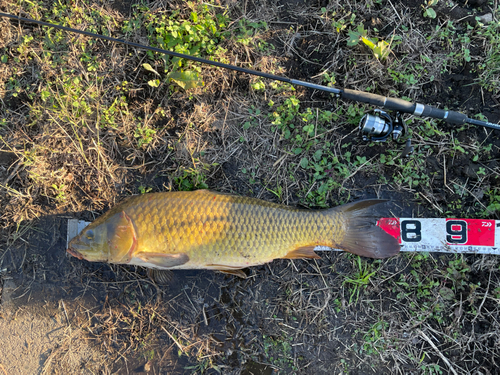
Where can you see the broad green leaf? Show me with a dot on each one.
(304, 162)
(186, 80)
(149, 68)
(361, 30)
(353, 38)
(447, 293)
(318, 154)
(493, 207)
(45, 95)
(431, 13)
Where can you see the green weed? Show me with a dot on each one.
(247, 31)
(380, 48)
(494, 206)
(374, 340)
(456, 272)
(360, 280)
(59, 190)
(490, 68)
(431, 369)
(143, 189)
(198, 33)
(192, 178)
(144, 135)
(278, 351)
(428, 11)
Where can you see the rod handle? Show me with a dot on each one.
(403, 106)
(393, 104)
(450, 117)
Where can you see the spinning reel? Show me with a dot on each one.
(378, 126)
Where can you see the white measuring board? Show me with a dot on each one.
(469, 236)
(466, 236)
(75, 226)
(472, 236)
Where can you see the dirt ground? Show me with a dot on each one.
(85, 123)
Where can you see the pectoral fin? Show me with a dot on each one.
(301, 253)
(162, 260)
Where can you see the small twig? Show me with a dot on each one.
(328, 298)
(204, 315)
(470, 192)
(444, 174)
(432, 203)
(174, 339)
(14, 171)
(321, 273)
(484, 299)
(65, 312)
(445, 360)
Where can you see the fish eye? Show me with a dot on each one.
(89, 234)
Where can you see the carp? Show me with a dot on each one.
(208, 230)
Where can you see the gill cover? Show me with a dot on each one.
(122, 239)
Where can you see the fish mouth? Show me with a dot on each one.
(75, 253)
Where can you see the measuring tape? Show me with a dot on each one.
(470, 236)
(466, 236)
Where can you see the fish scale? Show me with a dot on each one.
(205, 229)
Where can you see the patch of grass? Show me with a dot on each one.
(490, 68)
(192, 178)
(247, 33)
(278, 351)
(374, 340)
(360, 279)
(196, 30)
(494, 203)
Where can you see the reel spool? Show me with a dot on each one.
(378, 126)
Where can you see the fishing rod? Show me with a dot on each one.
(377, 126)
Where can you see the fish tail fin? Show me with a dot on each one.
(363, 237)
